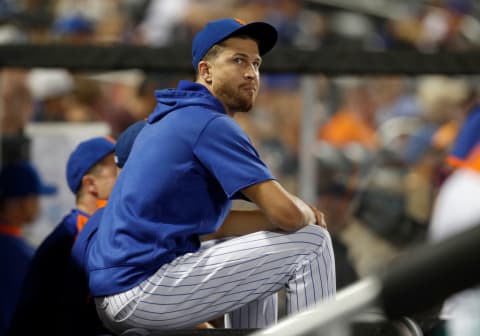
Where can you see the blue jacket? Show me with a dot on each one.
(15, 258)
(54, 298)
(185, 167)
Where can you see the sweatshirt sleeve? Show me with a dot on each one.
(228, 154)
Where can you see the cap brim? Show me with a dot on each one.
(46, 189)
(264, 33)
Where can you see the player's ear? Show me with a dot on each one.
(205, 71)
(88, 183)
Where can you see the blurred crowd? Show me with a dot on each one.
(382, 157)
(380, 144)
(378, 25)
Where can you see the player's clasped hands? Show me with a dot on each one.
(319, 217)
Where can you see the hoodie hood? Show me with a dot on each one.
(187, 94)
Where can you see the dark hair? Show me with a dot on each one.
(217, 48)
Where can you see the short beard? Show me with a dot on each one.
(240, 106)
(234, 103)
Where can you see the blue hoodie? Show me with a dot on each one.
(185, 167)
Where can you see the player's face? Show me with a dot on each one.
(30, 208)
(106, 177)
(235, 74)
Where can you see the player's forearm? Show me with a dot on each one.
(307, 211)
(284, 210)
(242, 222)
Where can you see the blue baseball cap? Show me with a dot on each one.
(215, 32)
(125, 142)
(87, 154)
(20, 179)
(72, 24)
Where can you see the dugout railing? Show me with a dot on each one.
(416, 282)
(330, 62)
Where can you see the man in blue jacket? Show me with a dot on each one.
(147, 266)
(20, 189)
(47, 288)
(122, 151)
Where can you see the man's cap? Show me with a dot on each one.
(73, 24)
(215, 32)
(21, 179)
(125, 142)
(87, 154)
(49, 83)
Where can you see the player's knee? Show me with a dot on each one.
(315, 237)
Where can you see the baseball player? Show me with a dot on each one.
(147, 267)
(122, 150)
(82, 243)
(457, 208)
(20, 187)
(90, 173)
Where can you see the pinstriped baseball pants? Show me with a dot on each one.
(238, 277)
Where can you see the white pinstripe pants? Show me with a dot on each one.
(239, 276)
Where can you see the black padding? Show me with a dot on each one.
(177, 59)
(429, 274)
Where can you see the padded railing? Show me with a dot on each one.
(177, 59)
(414, 283)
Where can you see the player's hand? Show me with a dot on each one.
(204, 325)
(320, 218)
